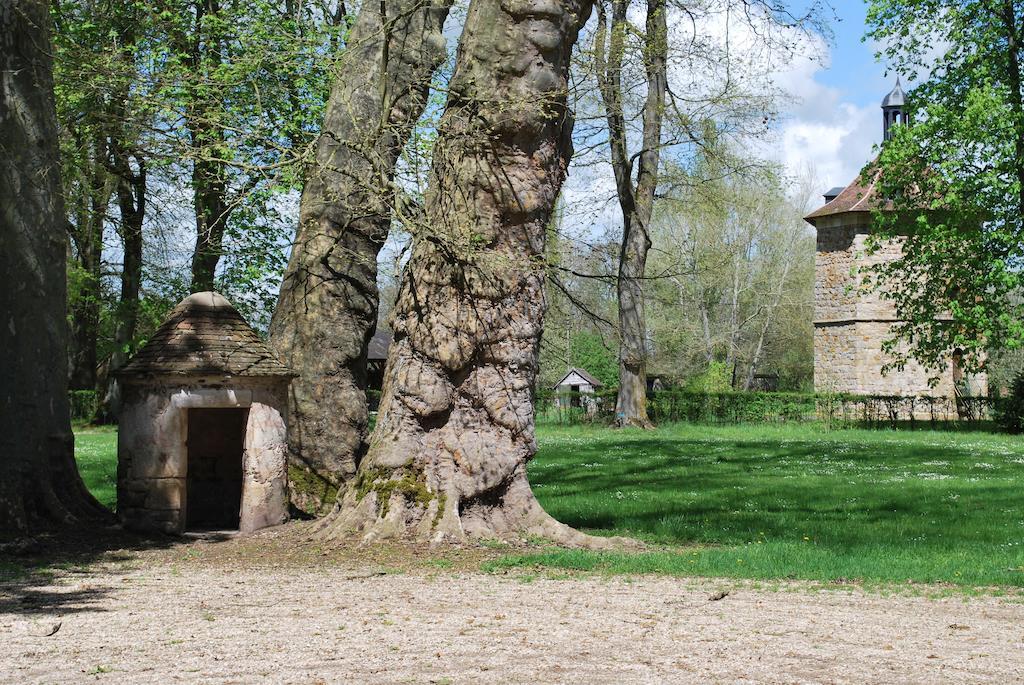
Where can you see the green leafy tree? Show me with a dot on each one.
(174, 108)
(954, 178)
(241, 89)
(589, 352)
(716, 378)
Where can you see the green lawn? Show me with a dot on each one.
(790, 502)
(767, 501)
(96, 453)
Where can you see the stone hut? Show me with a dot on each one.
(202, 437)
(850, 325)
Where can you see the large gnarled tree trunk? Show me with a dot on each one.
(637, 202)
(327, 309)
(39, 481)
(448, 457)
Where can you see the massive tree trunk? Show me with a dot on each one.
(637, 202)
(448, 457)
(39, 481)
(327, 309)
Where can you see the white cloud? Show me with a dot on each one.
(832, 148)
(823, 133)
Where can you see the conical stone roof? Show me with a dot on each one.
(204, 335)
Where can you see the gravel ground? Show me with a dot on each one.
(156, 622)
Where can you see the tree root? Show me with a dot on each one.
(643, 423)
(51, 495)
(511, 514)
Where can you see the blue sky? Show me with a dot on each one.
(830, 121)
(854, 70)
(835, 118)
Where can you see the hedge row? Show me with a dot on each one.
(666, 406)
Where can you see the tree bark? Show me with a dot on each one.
(39, 481)
(87, 238)
(637, 202)
(448, 458)
(203, 52)
(209, 187)
(131, 202)
(327, 309)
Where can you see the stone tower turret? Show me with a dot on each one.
(851, 322)
(893, 110)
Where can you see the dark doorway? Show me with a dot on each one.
(216, 440)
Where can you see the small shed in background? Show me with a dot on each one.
(202, 436)
(576, 389)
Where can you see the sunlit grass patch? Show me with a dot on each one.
(764, 501)
(789, 502)
(96, 454)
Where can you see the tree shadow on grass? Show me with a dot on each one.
(844, 495)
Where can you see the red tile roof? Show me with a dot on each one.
(859, 196)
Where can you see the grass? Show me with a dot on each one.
(96, 454)
(765, 502)
(789, 502)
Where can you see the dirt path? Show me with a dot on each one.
(159, 623)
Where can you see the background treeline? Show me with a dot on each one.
(183, 126)
(729, 288)
(186, 127)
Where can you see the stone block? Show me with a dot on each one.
(165, 493)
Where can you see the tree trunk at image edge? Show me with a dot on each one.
(327, 309)
(448, 457)
(39, 481)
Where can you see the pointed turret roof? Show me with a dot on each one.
(896, 97)
(205, 335)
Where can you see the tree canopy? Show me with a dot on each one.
(953, 179)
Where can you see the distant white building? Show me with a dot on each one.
(576, 389)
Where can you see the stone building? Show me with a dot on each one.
(576, 389)
(202, 436)
(850, 324)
